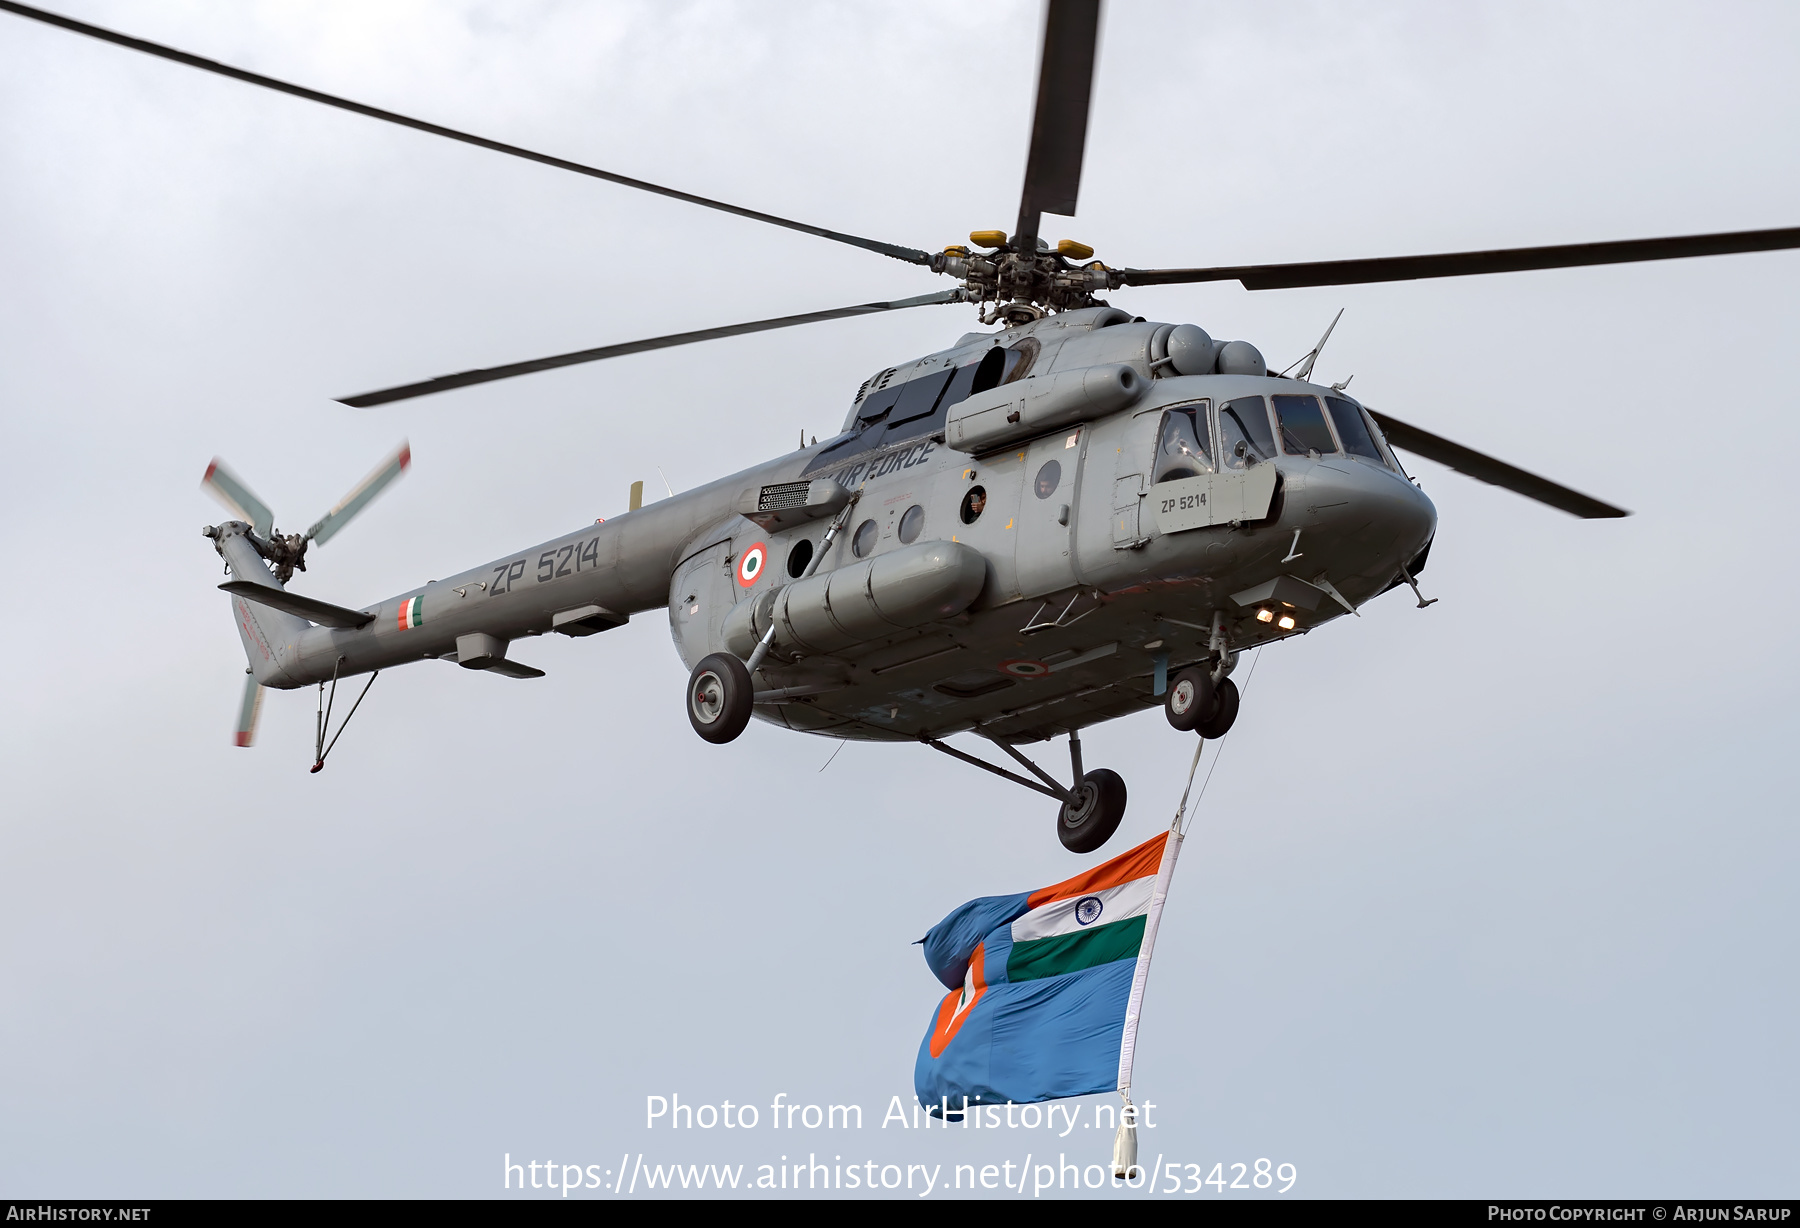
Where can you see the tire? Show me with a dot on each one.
(1189, 698)
(719, 695)
(1224, 714)
(1100, 805)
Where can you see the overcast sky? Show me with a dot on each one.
(1492, 899)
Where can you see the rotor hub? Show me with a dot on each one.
(1009, 274)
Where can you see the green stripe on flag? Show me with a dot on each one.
(1043, 957)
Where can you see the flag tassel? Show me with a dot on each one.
(1125, 1145)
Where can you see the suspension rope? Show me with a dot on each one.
(1242, 691)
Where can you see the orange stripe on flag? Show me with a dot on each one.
(1140, 862)
(949, 1018)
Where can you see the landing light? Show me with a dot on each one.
(1265, 616)
(1285, 622)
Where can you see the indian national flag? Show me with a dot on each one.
(412, 612)
(1044, 985)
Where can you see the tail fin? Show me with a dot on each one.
(264, 630)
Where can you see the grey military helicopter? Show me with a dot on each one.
(1068, 516)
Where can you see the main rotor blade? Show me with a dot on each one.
(351, 504)
(1059, 126)
(228, 488)
(1485, 468)
(1465, 264)
(463, 379)
(908, 254)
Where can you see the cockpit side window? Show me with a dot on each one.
(1184, 448)
(1387, 449)
(1303, 426)
(1351, 428)
(1244, 422)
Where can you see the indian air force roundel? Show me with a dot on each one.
(750, 567)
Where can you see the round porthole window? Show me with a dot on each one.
(864, 541)
(911, 523)
(799, 557)
(974, 503)
(1047, 479)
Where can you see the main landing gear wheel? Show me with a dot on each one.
(719, 696)
(1224, 713)
(1189, 698)
(1093, 817)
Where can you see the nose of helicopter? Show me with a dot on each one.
(1371, 520)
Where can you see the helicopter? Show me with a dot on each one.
(1070, 515)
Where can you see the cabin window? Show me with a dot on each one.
(1048, 479)
(911, 523)
(973, 504)
(799, 557)
(1244, 435)
(1303, 428)
(1184, 449)
(864, 541)
(1351, 428)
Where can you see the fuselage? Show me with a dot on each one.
(1112, 546)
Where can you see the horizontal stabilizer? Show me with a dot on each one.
(321, 612)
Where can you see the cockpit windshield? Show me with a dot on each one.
(1347, 417)
(1303, 428)
(1244, 435)
(1184, 448)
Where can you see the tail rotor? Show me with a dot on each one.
(353, 503)
(225, 486)
(249, 711)
(286, 553)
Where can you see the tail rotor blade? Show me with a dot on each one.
(225, 486)
(364, 494)
(248, 711)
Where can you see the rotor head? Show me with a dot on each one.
(1024, 274)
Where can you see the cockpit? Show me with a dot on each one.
(1252, 429)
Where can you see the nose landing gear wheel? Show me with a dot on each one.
(1189, 698)
(1224, 713)
(719, 695)
(1094, 816)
